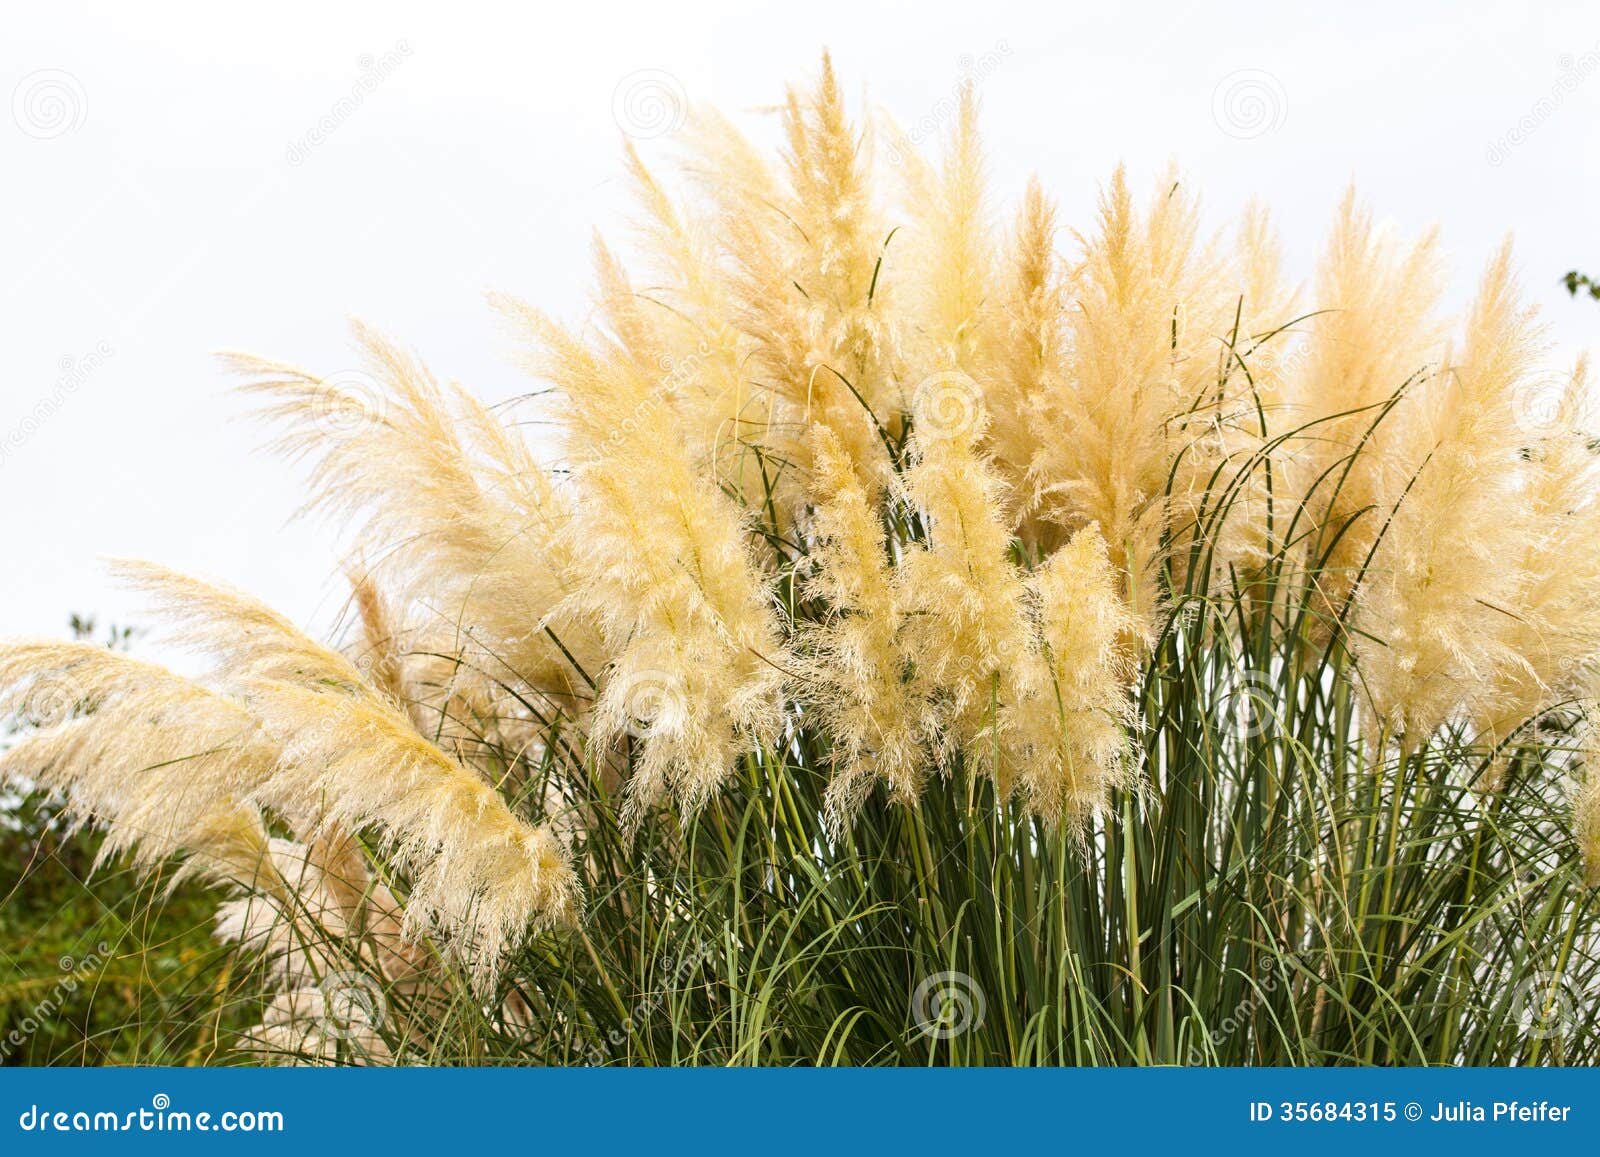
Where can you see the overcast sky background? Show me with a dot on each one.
(163, 195)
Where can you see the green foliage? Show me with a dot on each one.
(101, 967)
(104, 968)
(1275, 899)
(1576, 282)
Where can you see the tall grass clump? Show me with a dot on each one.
(929, 637)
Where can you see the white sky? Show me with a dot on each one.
(151, 212)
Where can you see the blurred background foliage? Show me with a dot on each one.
(102, 968)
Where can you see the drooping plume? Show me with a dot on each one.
(460, 526)
(349, 758)
(166, 766)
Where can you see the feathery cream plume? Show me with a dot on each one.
(1374, 336)
(950, 260)
(1139, 388)
(1232, 487)
(462, 523)
(966, 620)
(1550, 622)
(164, 764)
(698, 680)
(805, 248)
(1439, 584)
(1027, 354)
(1071, 721)
(854, 670)
(349, 757)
